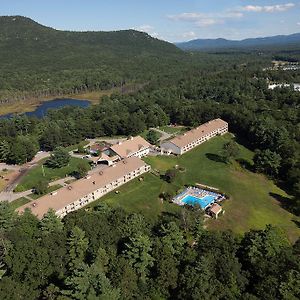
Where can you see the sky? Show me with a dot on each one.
(171, 20)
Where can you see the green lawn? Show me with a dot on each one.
(173, 130)
(144, 134)
(35, 174)
(19, 202)
(250, 204)
(75, 147)
(140, 196)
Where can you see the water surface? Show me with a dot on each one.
(42, 109)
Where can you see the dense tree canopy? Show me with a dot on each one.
(109, 254)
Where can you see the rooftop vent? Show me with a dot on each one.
(101, 173)
(69, 188)
(87, 177)
(53, 193)
(34, 204)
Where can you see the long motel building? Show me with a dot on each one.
(86, 190)
(191, 139)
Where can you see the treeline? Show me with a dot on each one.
(265, 120)
(107, 253)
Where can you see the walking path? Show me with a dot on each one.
(164, 135)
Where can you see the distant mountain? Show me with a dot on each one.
(37, 58)
(205, 44)
(23, 40)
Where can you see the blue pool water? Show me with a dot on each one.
(203, 202)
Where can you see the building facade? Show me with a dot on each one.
(133, 147)
(84, 191)
(191, 139)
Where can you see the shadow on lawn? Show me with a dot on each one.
(246, 164)
(285, 202)
(297, 223)
(215, 157)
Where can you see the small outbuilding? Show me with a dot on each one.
(215, 210)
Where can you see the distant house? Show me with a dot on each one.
(134, 146)
(189, 140)
(84, 191)
(215, 210)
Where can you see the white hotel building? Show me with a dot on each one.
(189, 140)
(84, 191)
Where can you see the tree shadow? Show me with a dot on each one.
(246, 164)
(285, 202)
(297, 223)
(215, 157)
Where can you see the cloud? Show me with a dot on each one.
(267, 8)
(298, 23)
(150, 30)
(188, 35)
(204, 20)
(145, 28)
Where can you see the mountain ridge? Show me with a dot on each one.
(221, 43)
(36, 58)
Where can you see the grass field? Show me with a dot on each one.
(144, 134)
(173, 130)
(250, 206)
(19, 202)
(35, 174)
(140, 196)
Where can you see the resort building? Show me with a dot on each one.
(134, 146)
(189, 140)
(84, 191)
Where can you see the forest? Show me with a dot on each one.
(106, 253)
(38, 61)
(266, 121)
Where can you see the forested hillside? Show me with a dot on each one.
(109, 254)
(37, 60)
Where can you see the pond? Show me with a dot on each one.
(42, 109)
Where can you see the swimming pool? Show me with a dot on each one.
(203, 202)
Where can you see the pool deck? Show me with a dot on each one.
(197, 193)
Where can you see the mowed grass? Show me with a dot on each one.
(173, 130)
(19, 202)
(251, 205)
(36, 174)
(140, 196)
